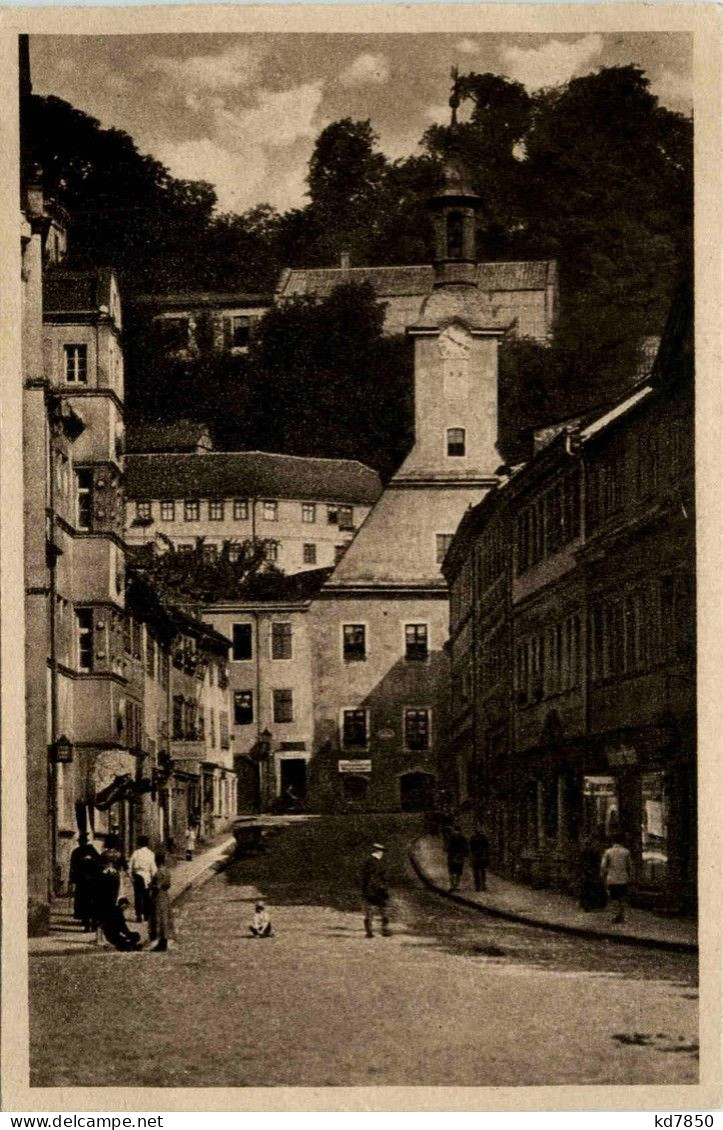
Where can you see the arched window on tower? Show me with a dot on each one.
(455, 441)
(455, 226)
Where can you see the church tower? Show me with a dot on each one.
(380, 623)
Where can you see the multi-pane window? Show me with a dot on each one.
(143, 510)
(168, 511)
(354, 731)
(549, 523)
(84, 484)
(76, 364)
(416, 641)
(243, 708)
(281, 640)
(210, 553)
(235, 551)
(308, 512)
(354, 642)
(223, 734)
(332, 515)
(271, 550)
(283, 701)
(456, 442)
(271, 511)
(215, 510)
(84, 624)
(346, 517)
(416, 728)
(443, 542)
(240, 509)
(309, 553)
(191, 510)
(242, 642)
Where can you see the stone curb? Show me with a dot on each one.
(214, 866)
(559, 927)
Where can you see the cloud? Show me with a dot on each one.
(366, 70)
(236, 67)
(673, 89)
(242, 146)
(554, 62)
(467, 46)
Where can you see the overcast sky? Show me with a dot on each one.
(242, 111)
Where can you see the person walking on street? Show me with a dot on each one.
(616, 872)
(161, 930)
(375, 891)
(84, 866)
(190, 841)
(107, 890)
(479, 847)
(457, 852)
(142, 868)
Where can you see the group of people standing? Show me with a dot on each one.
(95, 882)
(459, 849)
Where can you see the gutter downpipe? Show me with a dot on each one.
(52, 642)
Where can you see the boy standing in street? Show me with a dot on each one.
(375, 890)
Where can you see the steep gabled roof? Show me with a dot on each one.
(250, 474)
(179, 436)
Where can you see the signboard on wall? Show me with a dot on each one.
(356, 766)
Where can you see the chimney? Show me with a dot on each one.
(345, 260)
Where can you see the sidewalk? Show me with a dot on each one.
(550, 909)
(66, 935)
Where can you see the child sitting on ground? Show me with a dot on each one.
(261, 925)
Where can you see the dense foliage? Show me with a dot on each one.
(594, 173)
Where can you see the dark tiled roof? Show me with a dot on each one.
(65, 291)
(193, 299)
(389, 282)
(250, 474)
(179, 436)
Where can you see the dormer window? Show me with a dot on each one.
(76, 364)
(456, 445)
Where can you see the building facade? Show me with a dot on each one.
(380, 623)
(304, 510)
(271, 713)
(572, 642)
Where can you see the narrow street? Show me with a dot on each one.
(452, 998)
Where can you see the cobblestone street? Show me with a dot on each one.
(453, 997)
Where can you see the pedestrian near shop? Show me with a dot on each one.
(479, 849)
(82, 875)
(190, 841)
(161, 930)
(457, 852)
(142, 868)
(375, 891)
(106, 891)
(616, 872)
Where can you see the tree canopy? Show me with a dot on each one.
(594, 173)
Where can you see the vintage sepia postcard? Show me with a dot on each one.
(360, 444)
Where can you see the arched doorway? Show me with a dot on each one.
(416, 791)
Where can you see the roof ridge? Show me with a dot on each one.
(268, 454)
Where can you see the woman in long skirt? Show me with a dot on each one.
(161, 925)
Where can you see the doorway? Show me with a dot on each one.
(293, 776)
(416, 792)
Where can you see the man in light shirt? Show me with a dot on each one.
(142, 867)
(616, 872)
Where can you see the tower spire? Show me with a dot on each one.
(454, 209)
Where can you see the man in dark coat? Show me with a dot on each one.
(457, 852)
(375, 891)
(479, 849)
(84, 865)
